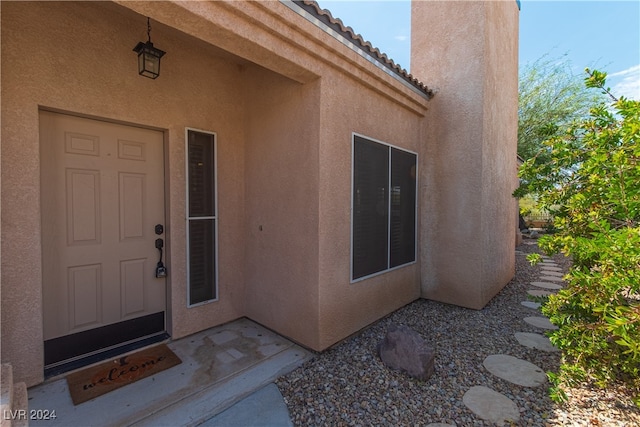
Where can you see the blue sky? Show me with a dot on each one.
(604, 35)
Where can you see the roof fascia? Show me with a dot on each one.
(427, 93)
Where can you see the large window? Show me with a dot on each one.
(384, 208)
(201, 217)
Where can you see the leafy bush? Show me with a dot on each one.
(592, 184)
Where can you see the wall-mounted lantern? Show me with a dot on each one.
(148, 57)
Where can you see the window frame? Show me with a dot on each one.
(389, 207)
(189, 218)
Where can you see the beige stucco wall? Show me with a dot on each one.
(298, 266)
(281, 258)
(347, 307)
(500, 132)
(70, 74)
(468, 52)
(277, 105)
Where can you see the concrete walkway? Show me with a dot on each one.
(230, 366)
(263, 408)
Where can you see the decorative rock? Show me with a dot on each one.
(405, 350)
(538, 293)
(531, 304)
(546, 285)
(514, 370)
(537, 341)
(540, 322)
(491, 405)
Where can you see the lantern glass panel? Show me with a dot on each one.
(150, 66)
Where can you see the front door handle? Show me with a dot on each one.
(161, 270)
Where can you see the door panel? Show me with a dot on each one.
(102, 195)
(85, 289)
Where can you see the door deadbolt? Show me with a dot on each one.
(159, 229)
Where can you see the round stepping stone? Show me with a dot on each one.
(552, 273)
(540, 322)
(537, 341)
(552, 278)
(538, 293)
(514, 370)
(490, 405)
(531, 304)
(546, 285)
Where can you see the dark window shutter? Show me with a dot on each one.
(202, 267)
(201, 175)
(202, 219)
(370, 207)
(402, 235)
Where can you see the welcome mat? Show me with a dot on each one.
(100, 379)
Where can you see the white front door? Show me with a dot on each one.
(102, 197)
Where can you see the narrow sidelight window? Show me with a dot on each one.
(201, 217)
(383, 207)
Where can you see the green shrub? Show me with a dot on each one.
(592, 183)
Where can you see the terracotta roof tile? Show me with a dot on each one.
(336, 24)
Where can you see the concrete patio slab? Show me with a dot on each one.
(220, 367)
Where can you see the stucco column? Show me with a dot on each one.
(467, 51)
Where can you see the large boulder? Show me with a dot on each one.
(403, 349)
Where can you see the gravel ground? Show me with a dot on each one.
(349, 385)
